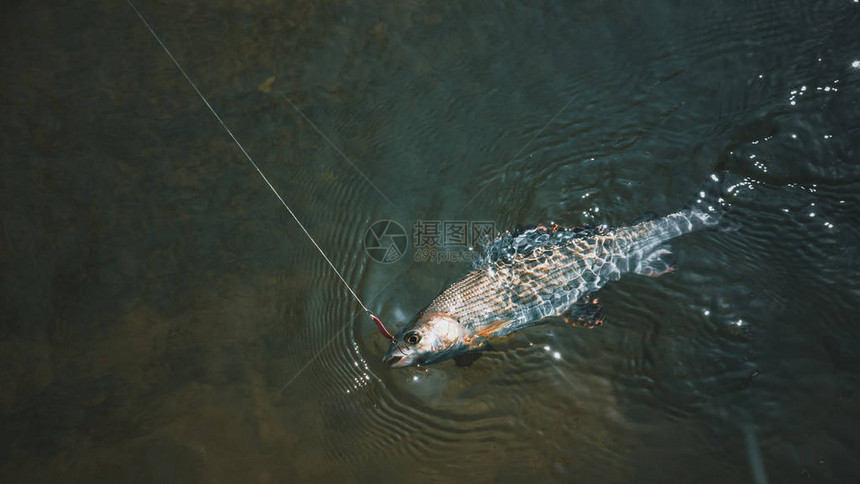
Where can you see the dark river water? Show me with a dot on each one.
(164, 319)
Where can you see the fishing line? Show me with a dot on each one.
(375, 319)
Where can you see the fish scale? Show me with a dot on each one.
(525, 277)
(550, 277)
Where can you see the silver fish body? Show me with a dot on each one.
(527, 277)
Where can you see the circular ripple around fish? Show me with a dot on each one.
(668, 345)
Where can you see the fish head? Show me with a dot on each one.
(430, 338)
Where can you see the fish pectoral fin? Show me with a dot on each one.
(657, 263)
(587, 313)
(492, 327)
(466, 359)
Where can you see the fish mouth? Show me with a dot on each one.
(396, 359)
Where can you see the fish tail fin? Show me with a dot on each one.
(708, 209)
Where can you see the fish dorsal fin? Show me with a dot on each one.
(586, 312)
(524, 240)
(645, 217)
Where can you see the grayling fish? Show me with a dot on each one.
(524, 278)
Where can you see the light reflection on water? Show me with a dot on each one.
(164, 319)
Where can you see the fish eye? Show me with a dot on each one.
(412, 338)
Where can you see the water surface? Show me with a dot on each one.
(164, 319)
